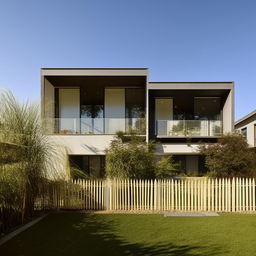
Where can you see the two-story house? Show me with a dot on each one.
(83, 108)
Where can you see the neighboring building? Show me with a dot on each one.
(247, 127)
(84, 108)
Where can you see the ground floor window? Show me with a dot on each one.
(191, 165)
(93, 165)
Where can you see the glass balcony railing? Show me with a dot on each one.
(94, 125)
(189, 128)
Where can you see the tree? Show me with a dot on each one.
(167, 168)
(130, 157)
(230, 157)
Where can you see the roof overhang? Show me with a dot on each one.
(94, 71)
(191, 85)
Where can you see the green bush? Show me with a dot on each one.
(130, 157)
(230, 157)
(167, 168)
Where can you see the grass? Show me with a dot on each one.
(129, 234)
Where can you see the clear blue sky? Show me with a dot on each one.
(178, 40)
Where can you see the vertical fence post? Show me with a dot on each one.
(108, 194)
(233, 204)
(253, 194)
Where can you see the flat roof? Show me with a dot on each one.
(197, 82)
(94, 68)
(154, 85)
(191, 85)
(94, 71)
(246, 117)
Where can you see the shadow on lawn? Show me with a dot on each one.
(102, 240)
(88, 235)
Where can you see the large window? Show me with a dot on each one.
(92, 119)
(207, 108)
(135, 109)
(92, 109)
(94, 165)
(134, 103)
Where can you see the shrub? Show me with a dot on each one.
(167, 168)
(230, 157)
(130, 157)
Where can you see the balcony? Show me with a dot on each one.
(94, 125)
(188, 128)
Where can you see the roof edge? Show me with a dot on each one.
(245, 117)
(94, 68)
(192, 82)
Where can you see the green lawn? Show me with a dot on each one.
(129, 234)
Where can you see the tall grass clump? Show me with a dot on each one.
(27, 157)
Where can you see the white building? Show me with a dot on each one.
(247, 126)
(84, 107)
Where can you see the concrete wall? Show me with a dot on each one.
(83, 144)
(48, 104)
(48, 107)
(177, 148)
(228, 114)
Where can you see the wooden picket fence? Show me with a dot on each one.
(188, 194)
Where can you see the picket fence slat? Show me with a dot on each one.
(185, 194)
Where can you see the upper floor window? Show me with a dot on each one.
(207, 108)
(92, 111)
(244, 132)
(134, 103)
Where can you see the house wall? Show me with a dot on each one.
(177, 148)
(48, 106)
(48, 103)
(83, 144)
(228, 114)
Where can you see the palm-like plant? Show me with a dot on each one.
(32, 154)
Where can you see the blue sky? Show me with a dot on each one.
(178, 40)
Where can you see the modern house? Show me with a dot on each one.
(247, 127)
(84, 107)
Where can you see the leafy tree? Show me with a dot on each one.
(130, 157)
(230, 157)
(167, 168)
